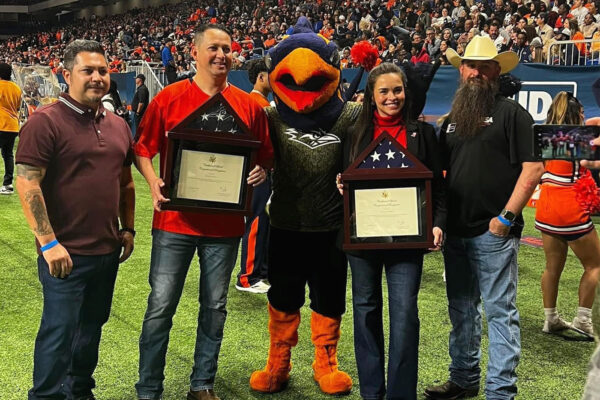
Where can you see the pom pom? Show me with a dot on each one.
(364, 54)
(586, 193)
(391, 4)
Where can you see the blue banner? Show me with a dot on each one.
(540, 83)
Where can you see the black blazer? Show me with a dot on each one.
(421, 142)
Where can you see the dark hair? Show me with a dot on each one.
(80, 46)
(115, 94)
(255, 67)
(565, 109)
(364, 124)
(543, 16)
(204, 27)
(5, 71)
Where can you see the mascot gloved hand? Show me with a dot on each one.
(307, 128)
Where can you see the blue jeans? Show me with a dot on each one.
(172, 254)
(75, 308)
(403, 273)
(483, 267)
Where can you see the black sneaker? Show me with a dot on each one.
(8, 189)
(450, 391)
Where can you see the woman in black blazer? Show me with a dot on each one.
(385, 109)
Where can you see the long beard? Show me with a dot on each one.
(472, 104)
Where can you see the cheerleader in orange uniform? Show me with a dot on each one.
(564, 223)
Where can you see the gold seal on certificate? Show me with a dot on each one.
(210, 176)
(386, 212)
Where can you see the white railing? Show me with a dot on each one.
(154, 73)
(566, 52)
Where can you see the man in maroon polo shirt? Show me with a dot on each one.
(74, 180)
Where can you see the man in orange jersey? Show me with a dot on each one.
(253, 264)
(10, 101)
(176, 235)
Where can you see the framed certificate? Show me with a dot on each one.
(208, 176)
(387, 205)
(386, 212)
(208, 158)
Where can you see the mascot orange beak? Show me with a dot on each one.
(304, 81)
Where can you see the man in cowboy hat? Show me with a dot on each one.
(487, 141)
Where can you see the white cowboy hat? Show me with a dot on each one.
(482, 48)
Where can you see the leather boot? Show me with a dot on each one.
(283, 329)
(325, 337)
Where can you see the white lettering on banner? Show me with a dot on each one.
(537, 102)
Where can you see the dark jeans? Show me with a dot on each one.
(297, 258)
(7, 143)
(403, 274)
(75, 308)
(253, 263)
(171, 256)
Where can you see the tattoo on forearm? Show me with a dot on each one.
(35, 201)
(30, 172)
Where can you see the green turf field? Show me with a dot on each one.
(550, 368)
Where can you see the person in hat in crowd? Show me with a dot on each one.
(491, 174)
(10, 102)
(140, 101)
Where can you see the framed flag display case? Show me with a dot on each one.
(387, 199)
(208, 158)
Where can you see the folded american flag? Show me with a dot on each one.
(387, 155)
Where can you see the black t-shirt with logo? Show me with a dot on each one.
(482, 171)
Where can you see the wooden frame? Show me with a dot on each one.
(193, 134)
(416, 176)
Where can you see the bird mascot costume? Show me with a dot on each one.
(308, 126)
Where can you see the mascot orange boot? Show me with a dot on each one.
(283, 329)
(325, 336)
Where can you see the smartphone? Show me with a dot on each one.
(565, 142)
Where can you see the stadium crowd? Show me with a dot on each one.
(420, 31)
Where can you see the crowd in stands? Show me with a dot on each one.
(419, 31)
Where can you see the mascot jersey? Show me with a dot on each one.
(305, 197)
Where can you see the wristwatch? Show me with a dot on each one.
(130, 230)
(508, 215)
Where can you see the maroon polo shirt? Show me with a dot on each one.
(84, 153)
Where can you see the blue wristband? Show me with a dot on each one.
(504, 220)
(48, 246)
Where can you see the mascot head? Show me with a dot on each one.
(305, 75)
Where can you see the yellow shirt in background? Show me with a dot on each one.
(10, 101)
